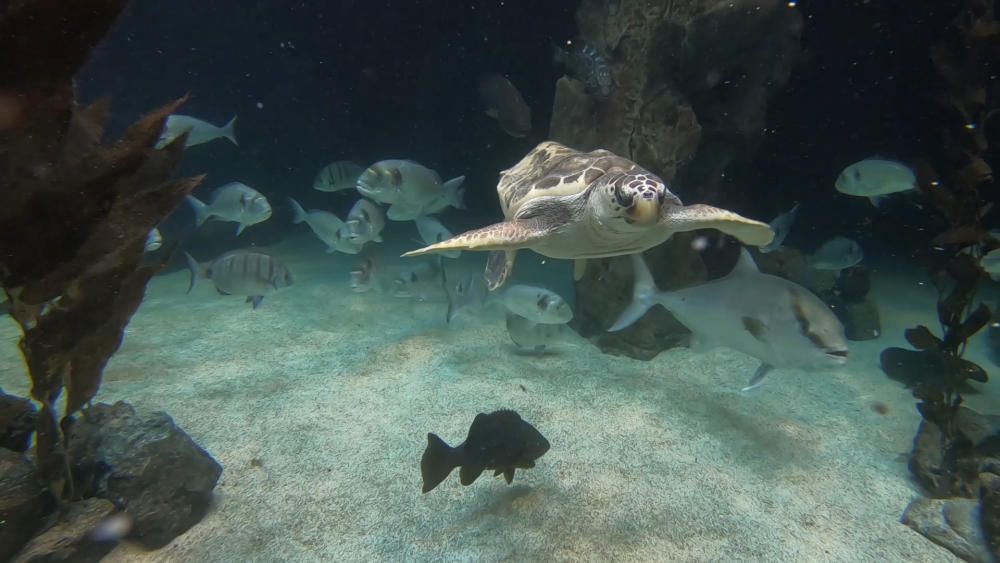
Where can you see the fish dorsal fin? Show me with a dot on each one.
(745, 265)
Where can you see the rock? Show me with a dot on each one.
(860, 319)
(24, 502)
(69, 538)
(949, 468)
(950, 523)
(17, 422)
(145, 464)
(989, 514)
(853, 284)
(606, 290)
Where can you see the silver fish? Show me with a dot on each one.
(502, 101)
(199, 131)
(432, 231)
(467, 293)
(235, 202)
(327, 227)
(365, 222)
(780, 323)
(586, 64)
(781, 225)
(875, 179)
(242, 272)
(837, 253)
(337, 176)
(537, 304)
(530, 335)
(364, 277)
(154, 240)
(420, 281)
(409, 188)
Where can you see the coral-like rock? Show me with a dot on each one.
(24, 502)
(17, 422)
(160, 477)
(69, 539)
(951, 523)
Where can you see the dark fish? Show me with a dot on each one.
(242, 272)
(501, 441)
(586, 64)
(502, 101)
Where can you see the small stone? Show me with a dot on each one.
(147, 465)
(24, 502)
(17, 422)
(950, 523)
(69, 538)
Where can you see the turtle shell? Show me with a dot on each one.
(552, 169)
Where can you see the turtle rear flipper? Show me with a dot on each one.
(499, 264)
(509, 235)
(693, 217)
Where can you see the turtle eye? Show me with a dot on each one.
(622, 198)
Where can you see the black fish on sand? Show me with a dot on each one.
(501, 441)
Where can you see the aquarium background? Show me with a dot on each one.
(317, 405)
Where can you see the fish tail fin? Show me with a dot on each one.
(201, 213)
(437, 462)
(298, 213)
(644, 294)
(454, 186)
(229, 131)
(195, 269)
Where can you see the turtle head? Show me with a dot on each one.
(635, 198)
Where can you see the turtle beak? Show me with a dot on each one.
(644, 211)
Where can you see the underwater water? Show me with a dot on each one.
(288, 335)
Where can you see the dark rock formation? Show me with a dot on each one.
(950, 523)
(17, 422)
(24, 502)
(606, 290)
(951, 467)
(146, 465)
(989, 511)
(860, 319)
(853, 284)
(69, 538)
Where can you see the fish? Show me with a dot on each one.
(199, 132)
(419, 281)
(991, 263)
(537, 304)
(327, 227)
(337, 176)
(409, 189)
(781, 225)
(365, 222)
(501, 441)
(364, 277)
(586, 64)
(875, 179)
(531, 335)
(235, 202)
(777, 321)
(838, 253)
(154, 240)
(241, 272)
(432, 231)
(502, 101)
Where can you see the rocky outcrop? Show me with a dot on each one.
(24, 502)
(71, 537)
(691, 80)
(146, 465)
(950, 523)
(17, 422)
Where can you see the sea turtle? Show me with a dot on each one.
(564, 203)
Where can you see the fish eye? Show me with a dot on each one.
(543, 302)
(857, 175)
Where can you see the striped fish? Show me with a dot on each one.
(242, 272)
(336, 176)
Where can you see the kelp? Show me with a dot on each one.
(75, 213)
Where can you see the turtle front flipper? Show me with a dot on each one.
(509, 235)
(693, 217)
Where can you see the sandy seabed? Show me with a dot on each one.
(317, 405)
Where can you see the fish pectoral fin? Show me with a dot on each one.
(756, 327)
(239, 228)
(579, 268)
(469, 473)
(758, 376)
(508, 474)
(499, 265)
